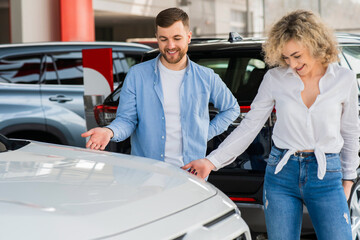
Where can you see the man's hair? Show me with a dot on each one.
(169, 16)
(306, 28)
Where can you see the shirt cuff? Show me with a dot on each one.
(114, 137)
(349, 175)
(214, 161)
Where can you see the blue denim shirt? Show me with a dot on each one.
(141, 113)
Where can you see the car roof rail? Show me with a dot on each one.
(235, 37)
(205, 39)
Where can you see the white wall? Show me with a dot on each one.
(225, 23)
(342, 15)
(133, 7)
(208, 18)
(34, 20)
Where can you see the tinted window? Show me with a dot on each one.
(122, 63)
(132, 60)
(352, 56)
(20, 70)
(242, 75)
(120, 67)
(67, 68)
(64, 68)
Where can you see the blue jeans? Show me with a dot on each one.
(297, 184)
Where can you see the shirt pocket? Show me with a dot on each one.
(200, 104)
(333, 163)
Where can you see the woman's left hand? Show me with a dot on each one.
(347, 188)
(201, 167)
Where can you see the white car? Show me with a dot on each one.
(52, 191)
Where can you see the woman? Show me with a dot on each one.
(316, 104)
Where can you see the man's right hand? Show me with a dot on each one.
(99, 138)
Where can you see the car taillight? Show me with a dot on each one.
(104, 114)
(243, 199)
(243, 111)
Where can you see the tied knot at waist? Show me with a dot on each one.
(319, 155)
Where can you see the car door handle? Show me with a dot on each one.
(60, 98)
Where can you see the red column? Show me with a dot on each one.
(77, 21)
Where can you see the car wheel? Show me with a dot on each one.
(354, 205)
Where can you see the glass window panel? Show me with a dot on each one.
(352, 55)
(120, 67)
(131, 61)
(242, 75)
(64, 69)
(20, 70)
(219, 65)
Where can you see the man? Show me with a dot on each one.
(164, 102)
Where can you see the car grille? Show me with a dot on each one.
(215, 221)
(219, 219)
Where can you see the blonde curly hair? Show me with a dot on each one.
(306, 28)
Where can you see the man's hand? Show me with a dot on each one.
(201, 167)
(347, 185)
(99, 138)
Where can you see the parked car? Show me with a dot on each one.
(239, 62)
(41, 88)
(51, 191)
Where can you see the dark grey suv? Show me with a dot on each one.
(241, 66)
(41, 88)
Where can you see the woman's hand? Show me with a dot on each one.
(347, 185)
(201, 167)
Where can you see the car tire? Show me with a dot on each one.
(354, 207)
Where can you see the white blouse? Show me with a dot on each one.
(330, 125)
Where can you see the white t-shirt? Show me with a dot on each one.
(330, 125)
(171, 81)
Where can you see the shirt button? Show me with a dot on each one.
(162, 118)
(162, 155)
(162, 137)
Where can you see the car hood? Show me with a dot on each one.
(45, 187)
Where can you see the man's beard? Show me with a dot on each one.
(181, 54)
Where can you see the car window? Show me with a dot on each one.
(67, 68)
(120, 67)
(64, 69)
(20, 70)
(352, 57)
(219, 65)
(242, 75)
(342, 61)
(132, 60)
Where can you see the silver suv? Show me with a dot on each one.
(41, 88)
